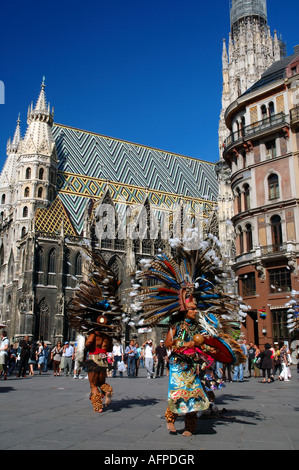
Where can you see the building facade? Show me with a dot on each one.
(62, 187)
(251, 50)
(262, 152)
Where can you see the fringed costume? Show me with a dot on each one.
(96, 313)
(189, 291)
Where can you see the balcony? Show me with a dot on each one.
(294, 113)
(256, 129)
(274, 250)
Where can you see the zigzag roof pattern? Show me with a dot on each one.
(90, 163)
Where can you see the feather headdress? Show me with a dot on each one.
(96, 305)
(195, 273)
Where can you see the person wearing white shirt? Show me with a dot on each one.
(149, 358)
(4, 345)
(117, 355)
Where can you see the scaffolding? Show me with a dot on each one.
(241, 9)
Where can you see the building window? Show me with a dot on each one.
(247, 197)
(27, 192)
(28, 173)
(264, 111)
(52, 261)
(3, 199)
(239, 205)
(273, 187)
(41, 174)
(241, 240)
(276, 232)
(279, 324)
(40, 259)
(249, 243)
(280, 280)
(271, 109)
(78, 265)
(248, 284)
(40, 192)
(25, 211)
(271, 149)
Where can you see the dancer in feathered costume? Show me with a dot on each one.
(96, 312)
(190, 291)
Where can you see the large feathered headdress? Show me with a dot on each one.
(195, 275)
(96, 304)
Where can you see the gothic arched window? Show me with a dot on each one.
(239, 205)
(273, 186)
(40, 192)
(247, 196)
(27, 192)
(249, 243)
(40, 259)
(276, 231)
(41, 174)
(241, 240)
(52, 261)
(28, 173)
(78, 265)
(25, 211)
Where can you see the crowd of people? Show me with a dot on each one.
(30, 358)
(270, 363)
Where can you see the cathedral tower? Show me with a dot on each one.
(251, 50)
(36, 164)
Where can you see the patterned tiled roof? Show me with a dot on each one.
(53, 219)
(90, 163)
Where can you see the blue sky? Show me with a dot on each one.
(147, 71)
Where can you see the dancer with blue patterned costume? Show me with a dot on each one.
(189, 291)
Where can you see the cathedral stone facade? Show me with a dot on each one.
(57, 187)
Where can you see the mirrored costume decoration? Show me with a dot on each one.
(95, 312)
(189, 293)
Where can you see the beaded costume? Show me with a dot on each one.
(189, 290)
(96, 312)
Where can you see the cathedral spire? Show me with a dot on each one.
(12, 146)
(41, 112)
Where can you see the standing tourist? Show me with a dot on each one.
(4, 349)
(24, 357)
(56, 355)
(283, 354)
(118, 357)
(149, 358)
(68, 351)
(251, 358)
(161, 354)
(131, 351)
(267, 363)
(32, 358)
(137, 358)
